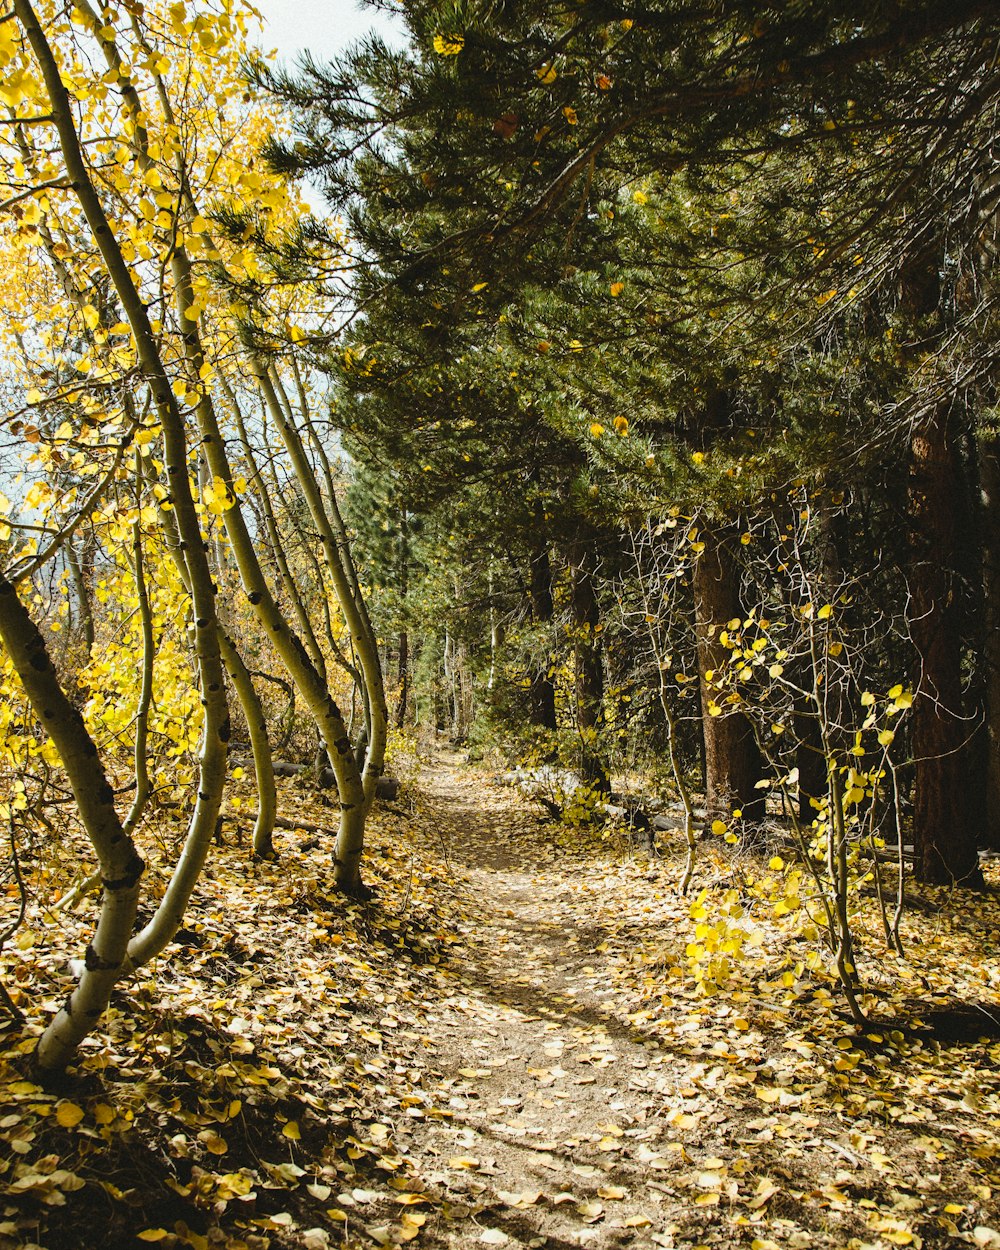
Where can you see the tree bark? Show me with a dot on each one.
(732, 757)
(542, 689)
(120, 866)
(945, 842)
(588, 664)
(402, 679)
(79, 576)
(810, 758)
(357, 794)
(989, 486)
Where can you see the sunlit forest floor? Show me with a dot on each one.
(504, 1047)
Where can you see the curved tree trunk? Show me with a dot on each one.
(216, 728)
(120, 866)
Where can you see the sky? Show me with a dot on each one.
(325, 27)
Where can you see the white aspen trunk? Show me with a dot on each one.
(350, 841)
(120, 866)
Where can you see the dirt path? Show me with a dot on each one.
(584, 1092)
(558, 1136)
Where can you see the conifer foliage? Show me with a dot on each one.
(685, 264)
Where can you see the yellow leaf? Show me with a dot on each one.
(547, 74)
(766, 1189)
(153, 1234)
(719, 827)
(69, 1114)
(449, 45)
(15, 87)
(617, 288)
(291, 1129)
(825, 612)
(479, 286)
(885, 737)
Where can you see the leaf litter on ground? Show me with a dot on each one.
(507, 1046)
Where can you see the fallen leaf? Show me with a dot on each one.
(68, 1114)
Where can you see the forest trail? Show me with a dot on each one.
(556, 1096)
(586, 1094)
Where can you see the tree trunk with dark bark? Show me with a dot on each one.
(989, 486)
(402, 679)
(810, 758)
(945, 842)
(588, 665)
(732, 757)
(542, 689)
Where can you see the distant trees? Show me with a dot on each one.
(618, 216)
